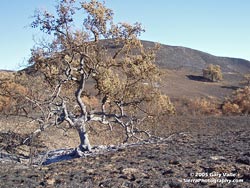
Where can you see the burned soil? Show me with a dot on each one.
(202, 149)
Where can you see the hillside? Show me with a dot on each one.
(183, 68)
(176, 57)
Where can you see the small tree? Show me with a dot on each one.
(212, 73)
(77, 57)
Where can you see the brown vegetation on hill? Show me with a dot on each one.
(11, 92)
(238, 103)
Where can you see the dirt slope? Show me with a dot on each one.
(177, 57)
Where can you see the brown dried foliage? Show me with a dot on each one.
(204, 106)
(212, 73)
(11, 93)
(238, 103)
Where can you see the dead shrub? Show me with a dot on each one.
(197, 106)
(204, 106)
(161, 105)
(4, 103)
(11, 94)
(238, 103)
(229, 108)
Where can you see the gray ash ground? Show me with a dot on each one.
(206, 149)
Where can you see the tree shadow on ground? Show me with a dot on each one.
(197, 78)
(230, 87)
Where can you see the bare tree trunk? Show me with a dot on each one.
(84, 140)
(80, 126)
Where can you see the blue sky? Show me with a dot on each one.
(219, 27)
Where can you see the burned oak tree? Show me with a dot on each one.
(98, 52)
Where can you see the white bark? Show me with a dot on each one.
(83, 135)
